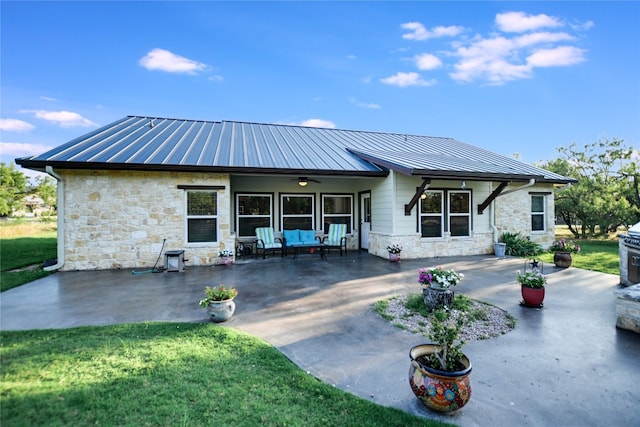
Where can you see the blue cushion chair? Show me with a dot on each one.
(336, 237)
(266, 241)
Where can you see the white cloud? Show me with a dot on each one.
(317, 123)
(15, 125)
(556, 57)
(48, 98)
(22, 150)
(427, 61)
(540, 38)
(406, 79)
(363, 104)
(65, 119)
(526, 41)
(519, 22)
(164, 60)
(419, 32)
(500, 59)
(584, 26)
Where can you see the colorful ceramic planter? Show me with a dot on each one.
(438, 390)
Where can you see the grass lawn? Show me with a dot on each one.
(167, 374)
(596, 255)
(24, 246)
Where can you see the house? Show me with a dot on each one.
(204, 186)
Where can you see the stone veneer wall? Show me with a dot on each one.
(513, 214)
(118, 219)
(414, 246)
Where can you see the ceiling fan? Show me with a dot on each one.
(303, 181)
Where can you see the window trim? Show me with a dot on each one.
(469, 214)
(441, 215)
(323, 215)
(236, 215)
(313, 208)
(187, 217)
(543, 213)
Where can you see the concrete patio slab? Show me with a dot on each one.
(563, 365)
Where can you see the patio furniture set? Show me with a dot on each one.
(301, 241)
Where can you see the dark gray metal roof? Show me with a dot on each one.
(151, 143)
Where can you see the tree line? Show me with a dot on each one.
(14, 186)
(605, 196)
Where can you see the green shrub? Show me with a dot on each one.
(518, 245)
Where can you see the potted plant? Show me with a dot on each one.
(394, 252)
(532, 285)
(436, 282)
(219, 302)
(562, 250)
(439, 373)
(226, 255)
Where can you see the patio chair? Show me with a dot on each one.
(336, 238)
(265, 242)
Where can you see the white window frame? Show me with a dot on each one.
(300, 195)
(450, 215)
(543, 213)
(338, 215)
(243, 215)
(440, 215)
(187, 217)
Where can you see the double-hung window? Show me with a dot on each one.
(538, 214)
(337, 209)
(297, 211)
(252, 211)
(432, 213)
(202, 216)
(459, 213)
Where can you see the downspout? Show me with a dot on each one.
(493, 206)
(60, 209)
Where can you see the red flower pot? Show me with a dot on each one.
(532, 297)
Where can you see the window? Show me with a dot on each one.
(297, 211)
(252, 211)
(460, 213)
(538, 214)
(431, 214)
(202, 216)
(337, 209)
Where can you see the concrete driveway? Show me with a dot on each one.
(563, 365)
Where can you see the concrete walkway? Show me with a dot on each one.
(563, 365)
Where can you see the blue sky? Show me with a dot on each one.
(511, 77)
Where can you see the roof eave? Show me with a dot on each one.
(40, 165)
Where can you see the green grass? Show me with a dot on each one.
(595, 255)
(167, 374)
(18, 252)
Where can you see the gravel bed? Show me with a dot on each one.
(483, 321)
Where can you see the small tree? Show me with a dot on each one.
(45, 188)
(13, 185)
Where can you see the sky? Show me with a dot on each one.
(520, 79)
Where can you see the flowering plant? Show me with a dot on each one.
(532, 279)
(225, 252)
(564, 245)
(439, 276)
(394, 249)
(218, 293)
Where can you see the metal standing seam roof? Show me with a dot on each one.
(152, 143)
